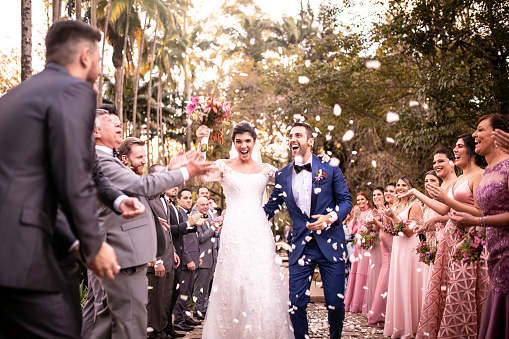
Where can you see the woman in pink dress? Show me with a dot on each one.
(466, 284)
(404, 298)
(356, 288)
(492, 196)
(375, 254)
(376, 314)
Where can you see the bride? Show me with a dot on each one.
(249, 297)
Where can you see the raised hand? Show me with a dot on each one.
(177, 161)
(195, 167)
(203, 132)
(501, 139)
(325, 157)
(131, 208)
(408, 193)
(104, 265)
(356, 212)
(436, 193)
(194, 219)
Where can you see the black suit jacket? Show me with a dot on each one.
(178, 229)
(46, 159)
(159, 211)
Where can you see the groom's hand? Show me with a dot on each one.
(322, 221)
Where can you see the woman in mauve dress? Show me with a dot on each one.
(492, 196)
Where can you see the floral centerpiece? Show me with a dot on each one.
(211, 113)
(369, 240)
(472, 244)
(426, 252)
(394, 230)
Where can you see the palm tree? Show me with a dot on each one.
(78, 7)
(57, 10)
(26, 39)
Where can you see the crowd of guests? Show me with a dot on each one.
(457, 286)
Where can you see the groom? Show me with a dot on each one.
(318, 200)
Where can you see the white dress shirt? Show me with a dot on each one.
(302, 185)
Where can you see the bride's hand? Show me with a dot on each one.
(203, 132)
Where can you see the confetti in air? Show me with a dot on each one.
(348, 135)
(307, 63)
(389, 140)
(373, 163)
(413, 103)
(392, 117)
(303, 80)
(243, 74)
(337, 110)
(373, 64)
(334, 162)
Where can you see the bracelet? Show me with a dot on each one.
(483, 222)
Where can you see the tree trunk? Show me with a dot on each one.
(26, 39)
(101, 78)
(149, 96)
(57, 10)
(159, 113)
(137, 78)
(119, 78)
(93, 13)
(187, 93)
(78, 10)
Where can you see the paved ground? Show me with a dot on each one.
(354, 327)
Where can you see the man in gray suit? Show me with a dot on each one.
(190, 262)
(208, 235)
(135, 241)
(46, 159)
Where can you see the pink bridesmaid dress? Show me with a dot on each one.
(404, 298)
(357, 279)
(376, 315)
(375, 266)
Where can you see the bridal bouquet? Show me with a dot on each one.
(472, 244)
(426, 252)
(369, 240)
(394, 230)
(211, 113)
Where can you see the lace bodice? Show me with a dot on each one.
(492, 196)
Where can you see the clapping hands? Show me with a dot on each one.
(419, 224)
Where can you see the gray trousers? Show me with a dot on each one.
(127, 297)
(93, 305)
(158, 296)
(201, 289)
(181, 311)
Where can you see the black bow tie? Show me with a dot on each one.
(115, 153)
(298, 168)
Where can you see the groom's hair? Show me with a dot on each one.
(309, 130)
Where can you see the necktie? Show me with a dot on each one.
(115, 153)
(298, 168)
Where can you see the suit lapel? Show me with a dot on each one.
(314, 169)
(289, 175)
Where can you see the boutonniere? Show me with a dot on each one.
(319, 175)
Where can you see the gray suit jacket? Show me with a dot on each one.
(46, 159)
(190, 245)
(208, 244)
(135, 240)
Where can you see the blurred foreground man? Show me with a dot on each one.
(47, 158)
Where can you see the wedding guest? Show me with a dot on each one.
(404, 298)
(355, 291)
(374, 253)
(492, 196)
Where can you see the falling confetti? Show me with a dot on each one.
(307, 63)
(150, 329)
(350, 122)
(413, 103)
(354, 152)
(317, 118)
(303, 80)
(348, 135)
(317, 190)
(297, 116)
(373, 64)
(389, 140)
(392, 117)
(334, 162)
(301, 262)
(243, 74)
(328, 137)
(252, 41)
(330, 127)
(337, 110)
(373, 163)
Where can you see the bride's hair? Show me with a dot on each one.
(244, 127)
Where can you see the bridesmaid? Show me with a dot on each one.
(424, 226)
(492, 196)
(358, 276)
(375, 255)
(404, 298)
(376, 315)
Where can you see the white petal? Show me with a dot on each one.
(392, 117)
(348, 135)
(337, 110)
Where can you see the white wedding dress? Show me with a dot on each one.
(249, 297)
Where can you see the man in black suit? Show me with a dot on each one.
(47, 158)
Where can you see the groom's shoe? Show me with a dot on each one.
(198, 316)
(183, 327)
(192, 322)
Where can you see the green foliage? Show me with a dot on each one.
(83, 294)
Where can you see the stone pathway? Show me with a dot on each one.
(355, 325)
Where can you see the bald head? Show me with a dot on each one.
(202, 205)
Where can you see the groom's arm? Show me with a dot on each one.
(276, 199)
(341, 195)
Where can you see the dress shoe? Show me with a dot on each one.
(172, 334)
(192, 322)
(199, 317)
(183, 327)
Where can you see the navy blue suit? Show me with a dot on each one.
(325, 249)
